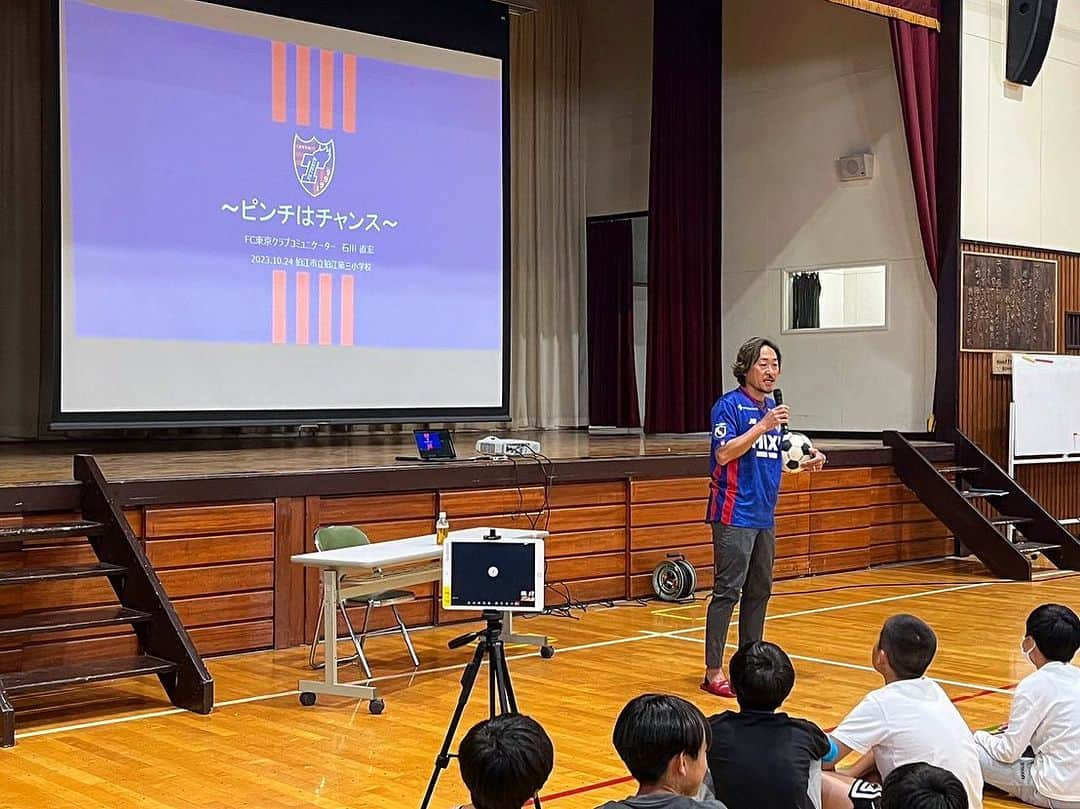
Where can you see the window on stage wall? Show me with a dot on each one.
(835, 298)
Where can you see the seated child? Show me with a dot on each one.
(923, 786)
(504, 761)
(1045, 715)
(910, 719)
(663, 741)
(759, 757)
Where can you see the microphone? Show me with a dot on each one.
(778, 397)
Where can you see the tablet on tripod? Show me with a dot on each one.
(491, 573)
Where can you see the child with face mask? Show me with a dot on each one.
(1044, 719)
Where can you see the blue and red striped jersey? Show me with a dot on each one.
(743, 492)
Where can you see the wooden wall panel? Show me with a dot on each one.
(984, 398)
(700, 556)
(376, 508)
(611, 588)
(217, 565)
(835, 514)
(168, 553)
(233, 638)
(188, 582)
(792, 525)
(287, 605)
(591, 566)
(560, 520)
(840, 560)
(216, 519)
(663, 491)
(401, 529)
(670, 536)
(49, 653)
(226, 609)
(825, 521)
(582, 542)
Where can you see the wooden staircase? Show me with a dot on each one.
(1006, 543)
(166, 650)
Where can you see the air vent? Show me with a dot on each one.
(1072, 331)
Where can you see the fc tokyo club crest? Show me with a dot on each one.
(313, 160)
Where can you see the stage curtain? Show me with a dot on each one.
(613, 397)
(548, 219)
(915, 53)
(925, 13)
(684, 367)
(806, 300)
(21, 90)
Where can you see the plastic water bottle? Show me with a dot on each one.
(442, 528)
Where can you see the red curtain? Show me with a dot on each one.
(683, 367)
(915, 52)
(613, 397)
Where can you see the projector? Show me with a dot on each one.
(503, 447)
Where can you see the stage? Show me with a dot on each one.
(219, 520)
(130, 460)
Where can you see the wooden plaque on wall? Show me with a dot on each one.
(1008, 304)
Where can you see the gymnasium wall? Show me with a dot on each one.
(616, 104)
(984, 398)
(1020, 177)
(226, 564)
(805, 83)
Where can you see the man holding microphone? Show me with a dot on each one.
(745, 469)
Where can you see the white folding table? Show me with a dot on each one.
(383, 566)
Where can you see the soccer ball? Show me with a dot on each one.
(794, 449)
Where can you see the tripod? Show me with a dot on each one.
(490, 645)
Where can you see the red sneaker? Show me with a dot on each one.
(718, 688)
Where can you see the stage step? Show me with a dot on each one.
(1033, 547)
(958, 470)
(94, 671)
(971, 494)
(985, 534)
(141, 602)
(23, 533)
(64, 620)
(29, 575)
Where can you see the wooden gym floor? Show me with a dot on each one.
(123, 745)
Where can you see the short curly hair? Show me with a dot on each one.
(748, 355)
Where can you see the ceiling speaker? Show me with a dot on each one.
(1031, 22)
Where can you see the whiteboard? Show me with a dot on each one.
(1046, 392)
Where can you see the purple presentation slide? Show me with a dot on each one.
(228, 188)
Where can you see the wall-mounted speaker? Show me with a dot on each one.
(1031, 22)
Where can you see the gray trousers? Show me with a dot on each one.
(1016, 779)
(743, 565)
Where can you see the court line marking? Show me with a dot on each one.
(985, 689)
(642, 635)
(867, 603)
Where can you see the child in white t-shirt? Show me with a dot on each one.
(910, 719)
(1045, 716)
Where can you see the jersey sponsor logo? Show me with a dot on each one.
(720, 430)
(767, 446)
(751, 409)
(768, 443)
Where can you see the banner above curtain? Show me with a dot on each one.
(926, 13)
